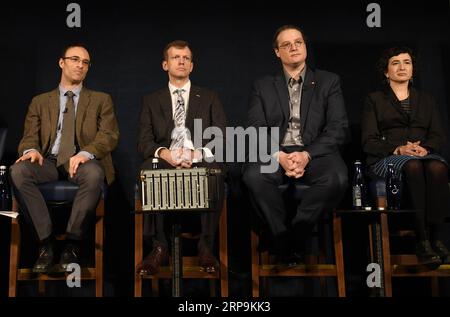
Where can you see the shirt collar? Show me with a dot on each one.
(186, 87)
(288, 77)
(76, 91)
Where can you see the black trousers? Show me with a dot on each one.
(327, 178)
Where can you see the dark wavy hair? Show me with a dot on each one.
(383, 62)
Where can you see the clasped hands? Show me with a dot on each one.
(294, 163)
(180, 158)
(411, 148)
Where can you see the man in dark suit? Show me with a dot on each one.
(69, 133)
(166, 120)
(308, 107)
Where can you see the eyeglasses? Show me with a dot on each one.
(76, 60)
(183, 58)
(289, 45)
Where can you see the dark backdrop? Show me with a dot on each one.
(231, 41)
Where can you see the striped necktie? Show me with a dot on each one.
(179, 118)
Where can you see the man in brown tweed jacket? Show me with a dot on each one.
(69, 133)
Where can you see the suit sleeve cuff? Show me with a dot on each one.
(28, 151)
(276, 156)
(156, 154)
(87, 154)
(206, 152)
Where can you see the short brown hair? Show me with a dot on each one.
(177, 44)
(284, 28)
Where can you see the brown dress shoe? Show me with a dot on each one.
(207, 260)
(151, 263)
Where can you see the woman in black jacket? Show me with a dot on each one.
(402, 125)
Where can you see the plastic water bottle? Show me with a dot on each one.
(358, 187)
(155, 163)
(5, 192)
(393, 192)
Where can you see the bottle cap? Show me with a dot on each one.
(367, 208)
(155, 160)
(3, 167)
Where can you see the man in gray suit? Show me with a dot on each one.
(69, 133)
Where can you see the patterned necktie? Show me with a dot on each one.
(67, 145)
(179, 118)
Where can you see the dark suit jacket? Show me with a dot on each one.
(384, 125)
(96, 127)
(322, 111)
(156, 121)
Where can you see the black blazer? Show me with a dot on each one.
(323, 116)
(384, 124)
(156, 121)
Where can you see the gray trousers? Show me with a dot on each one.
(89, 177)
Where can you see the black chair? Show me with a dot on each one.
(262, 267)
(56, 194)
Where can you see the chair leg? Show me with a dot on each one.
(255, 264)
(14, 258)
(138, 247)
(223, 251)
(339, 254)
(155, 286)
(99, 231)
(386, 255)
(435, 286)
(41, 287)
(212, 288)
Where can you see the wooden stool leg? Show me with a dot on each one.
(386, 256)
(99, 227)
(435, 286)
(223, 250)
(41, 287)
(255, 264)
(212, 288)
(138, 248)
(339, 254)
(14, 257)
(155, 286)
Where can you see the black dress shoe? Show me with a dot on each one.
(207, 261)
(152, 262)
(442, 251)
(296, 258)
(426, 255)
(69, 255)
(45, 260)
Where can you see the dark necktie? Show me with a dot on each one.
(67, 145)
